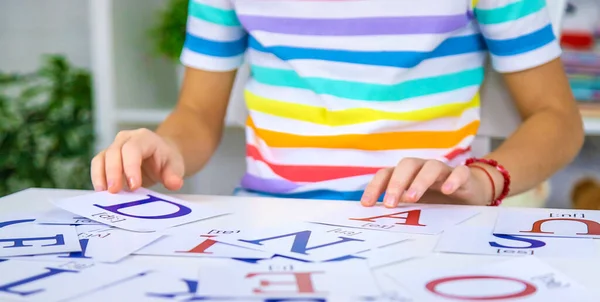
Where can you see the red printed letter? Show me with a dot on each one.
(302, 283)
(528, 290)
(410, 218)
(202, 247)
(593, 227)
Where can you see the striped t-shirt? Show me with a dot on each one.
(342, 88)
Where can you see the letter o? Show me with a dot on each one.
(528, 290)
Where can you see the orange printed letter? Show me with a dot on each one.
(410, 217)
(593, 227)
(302, 283)
(202, 247)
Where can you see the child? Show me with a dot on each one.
(359, 99)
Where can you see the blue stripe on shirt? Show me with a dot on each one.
(216, 48)
(521, 44)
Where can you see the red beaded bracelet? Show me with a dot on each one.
(502, 170)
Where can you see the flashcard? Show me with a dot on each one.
(60, 216)
(104, 244)
(480, 240)
(387, 255)
(141, 211)
(312, 241)
(548, 222)
(520, 279)
(199, 246)
(425, 219)
(284, 280)
(31, 239)
(48, 282)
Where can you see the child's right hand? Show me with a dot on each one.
(138, 158)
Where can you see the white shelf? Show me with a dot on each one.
(142, 116)
(591, 125)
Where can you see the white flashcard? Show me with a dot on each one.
(104, 244)
(199, 246)
(424, 219)
(48, 282)
(312, 241)
(30, 239)
(386, 255)
(60, 216)
(519, 279)
(284, 280)
(16, 220)
(480, 240)
(140, 211)
(548, 222)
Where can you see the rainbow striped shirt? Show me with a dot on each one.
(340, 89)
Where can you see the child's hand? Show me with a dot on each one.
(431, 181)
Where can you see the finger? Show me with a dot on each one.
(401, 178)
(137, 148)
(376, 187)
(113, 164)
(97, 173)
(431, 172)
(459, 176)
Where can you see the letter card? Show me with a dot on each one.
(48, 282)
(60, 216)
(104, 244)
(423, 219)
(141, 211)
(520, 279)
(386, 255)
(199, 246)
(480, 240)
(283, 280)
(312, 241)
(548, 222)
(31, 239)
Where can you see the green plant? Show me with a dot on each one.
(169, 33)
(46, 128)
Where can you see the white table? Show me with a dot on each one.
(269, 211)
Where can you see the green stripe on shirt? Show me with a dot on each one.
(213, 14)
(509, 12)
(369, 91)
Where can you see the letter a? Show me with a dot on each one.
(182, 210)
(300, 241)
(533, 244)
(593, 227)
(412, 217)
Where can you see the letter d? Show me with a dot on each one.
(182, 210)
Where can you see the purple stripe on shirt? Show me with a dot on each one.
(274, 186)
(355, 26)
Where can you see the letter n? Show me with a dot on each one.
(300, 244)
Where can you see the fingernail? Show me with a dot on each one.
(447, 187)
(389, 200)
(110, 183)
(412, 194)
(131, 183)
(98, 188)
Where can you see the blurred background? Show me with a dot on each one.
(75, 72)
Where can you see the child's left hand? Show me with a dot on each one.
(430, 181)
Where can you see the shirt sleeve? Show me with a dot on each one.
(518, 33)
(215, 40)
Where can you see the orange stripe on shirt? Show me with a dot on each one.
(310, 173)
(373, 141)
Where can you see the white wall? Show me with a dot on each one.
(29, 28)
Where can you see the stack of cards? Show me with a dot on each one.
(89, 240)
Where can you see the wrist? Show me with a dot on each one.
(498, 179)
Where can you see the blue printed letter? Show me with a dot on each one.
(300, 241)
(79, 255)
(7, 288)
(191, 285)
(533, 244)
(11, 222)
(183, 210)
(20, 242)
